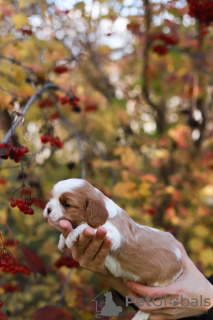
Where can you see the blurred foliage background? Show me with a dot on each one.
(127, 86)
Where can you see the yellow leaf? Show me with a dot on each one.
(170, 189)
(124, 190)
(22, 4)
(144, 189)
(195, 244)
(118, 151)
(128, 158)
(201, 231)
(3, 215)
(162, 154)
(19, 20)
(206, 256)
(131, 211)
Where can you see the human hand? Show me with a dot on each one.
(190, 285)
(91, 248)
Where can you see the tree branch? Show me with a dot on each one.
(38, 93)
(64, 287)
(78, 137)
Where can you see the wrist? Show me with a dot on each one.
(209, 298)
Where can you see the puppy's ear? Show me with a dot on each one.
(96, 213)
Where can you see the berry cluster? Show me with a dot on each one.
(17, 267)
(55, 116)
(90, 108)
(2, 181)
(202, 10)
(162, 48)
(165, 38)
(25, 31)
(6, 258)
(46, 102)
(24, 204)
(54, 141)
(12, 150)
(10, 287)
(151, 211)
(73, 101)
(61, 69)
(40, 204)
(66, 261)
(9, 243)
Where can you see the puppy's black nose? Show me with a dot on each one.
(48, 210)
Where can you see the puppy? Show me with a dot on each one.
(138, 253)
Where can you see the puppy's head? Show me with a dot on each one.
(77, 201)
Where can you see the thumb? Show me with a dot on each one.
(66, 225)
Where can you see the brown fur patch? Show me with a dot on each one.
(146, 253)
(86, 206)
(96, 213)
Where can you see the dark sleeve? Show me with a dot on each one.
(206, 316)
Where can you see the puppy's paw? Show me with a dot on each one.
(61, 244)
(71, 240)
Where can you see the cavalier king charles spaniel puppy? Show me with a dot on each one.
(139, 253)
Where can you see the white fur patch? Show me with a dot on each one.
(114, 234)
(66, 186)
(157, 284)
(115, 268)
(178, 253)
(112, 208)
(55, 207)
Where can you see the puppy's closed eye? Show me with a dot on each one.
(66, 204)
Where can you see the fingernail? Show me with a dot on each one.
(86, 232)
(128, 284)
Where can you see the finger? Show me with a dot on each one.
(161, 317)
(82, 243)
(95, 245)
(100, 257)
(147, 304)
(150, 292)
(66, 226)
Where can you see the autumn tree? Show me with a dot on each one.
(119, 93)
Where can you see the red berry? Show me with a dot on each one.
(25, 207)
(2, 145)
(33, 199)
(19, 200)
(1, 304)
(30, 211)
(13, 204)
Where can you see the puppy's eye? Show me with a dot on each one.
(66, 204)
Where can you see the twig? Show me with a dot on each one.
(64, 287)
(18, 63)
(45, 87)
(78, 137)
(101, 154)
(10, 231)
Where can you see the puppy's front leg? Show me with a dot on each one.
(61, 243)
(72, 238)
